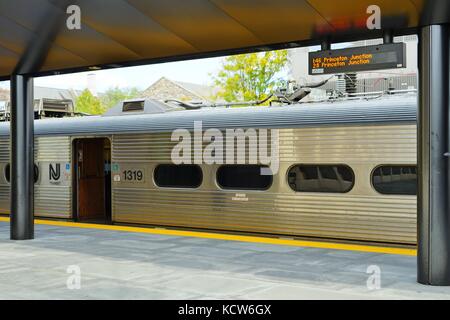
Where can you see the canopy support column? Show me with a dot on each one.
(433, 259)
(22, 158)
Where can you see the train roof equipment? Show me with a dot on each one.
(44, 108)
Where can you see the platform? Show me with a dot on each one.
(117, 264)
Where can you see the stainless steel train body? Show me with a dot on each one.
(361, 135)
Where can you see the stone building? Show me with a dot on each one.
(4, 95)
(165, 88)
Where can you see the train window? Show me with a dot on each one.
(178, 176)
(7, 173)
(395, 179)
(243, 177)
(36, 173)
(321, 178)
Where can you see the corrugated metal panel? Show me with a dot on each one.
(4, 186)
(49, 200)
(4, 149)
(357, 144)
(52, 200)
(361, 214)
(384, 219)
(52, 149)
(393, 110)
(156, 147)
(142, 147)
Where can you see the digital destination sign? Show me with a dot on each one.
(383, 56)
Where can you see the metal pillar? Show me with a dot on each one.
(388, 36)
(433, 260)
(325, 44)
(22, 158)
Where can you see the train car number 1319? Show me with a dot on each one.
(133, 175)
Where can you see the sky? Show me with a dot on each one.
(198, 71)
(195, 71)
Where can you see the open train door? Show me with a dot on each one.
(92, 180)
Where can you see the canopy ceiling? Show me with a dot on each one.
(34, 38)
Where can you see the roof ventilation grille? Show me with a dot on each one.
(140, 106)
(133, 106)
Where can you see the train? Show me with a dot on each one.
(346, 170)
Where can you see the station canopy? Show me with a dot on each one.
(35, 40)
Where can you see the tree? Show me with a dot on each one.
(88, 103)
(112, 96)
(250, 76)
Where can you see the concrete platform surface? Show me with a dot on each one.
(125, 265)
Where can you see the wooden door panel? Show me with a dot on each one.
(91, 201)
(91, 188)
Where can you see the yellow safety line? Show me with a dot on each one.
(231, 237)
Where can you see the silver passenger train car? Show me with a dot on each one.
(347, 170)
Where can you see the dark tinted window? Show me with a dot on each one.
(8, 173)
(178, 176)
(395, 180)
(321, 178)
(243, 177)
(36, 173)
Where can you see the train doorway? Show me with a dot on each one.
(92, 180)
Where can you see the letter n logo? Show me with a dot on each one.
(54, 174)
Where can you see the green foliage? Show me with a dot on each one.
(88, 103)
(250, 76)
(112, 96)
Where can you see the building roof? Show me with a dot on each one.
(55, 93)
(165, 88)
(46, 92)
(207, 92)
(38, 40)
